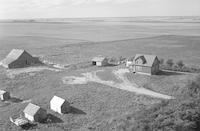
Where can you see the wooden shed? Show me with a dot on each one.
(19, 58)
(100, 61)
(145, 64)
(35, 113)
(59, 105)
(4, 95)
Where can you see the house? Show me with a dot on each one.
(59, 105)
(4, 95)
(145, 64)
(19, 58)
(100, 61)
(34, 113)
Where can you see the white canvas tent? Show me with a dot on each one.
(59, 105)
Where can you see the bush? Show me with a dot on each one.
(170, 62)
(180, 64)
(162, 61)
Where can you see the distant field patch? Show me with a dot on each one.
(107, 75)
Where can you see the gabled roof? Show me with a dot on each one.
(12, 56)
(15, 53)
(58, 101)
(31, 109)
(99, 58)
(149, 59)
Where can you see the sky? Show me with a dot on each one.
(26, 9)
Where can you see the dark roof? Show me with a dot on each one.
(31, 109)
(149, 59)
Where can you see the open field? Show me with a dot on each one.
(101, 98)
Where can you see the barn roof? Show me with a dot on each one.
(31, 109)
(15, 53)
(99, 58)
(12, 56)
(57, 101)
(149, 59)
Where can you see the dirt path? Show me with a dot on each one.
(120, 74)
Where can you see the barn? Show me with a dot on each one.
(19, 58)
(4, 95)
(145, 64)
(35, 113)
(59, 105)
(100, 61)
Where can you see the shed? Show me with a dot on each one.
(4, 95)
(145, 64)
(19, 58)
(59, 105)
(100, 61)
(35, 113)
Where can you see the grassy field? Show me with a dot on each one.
(95, 106)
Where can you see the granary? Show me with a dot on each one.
(4, 95)
(19, 58)
(100, 61)
(35, 113)
(59, 105)
(145, 64)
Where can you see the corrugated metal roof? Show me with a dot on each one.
(31, 109)
(149, 59)
(99, 58)
(57, 101)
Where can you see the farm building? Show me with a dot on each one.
(34, 113)
(59, 105)
(145, 64)
(4, 95)
(19, 58)
(129, 61)
(100, 61)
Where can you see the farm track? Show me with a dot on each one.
(124, 85)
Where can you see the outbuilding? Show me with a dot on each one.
(19, 58)
(59, 105)
(4, 95)
(35, 113)
(145, 64)
(100, 61)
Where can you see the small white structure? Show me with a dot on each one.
(4, 95)
(34, 113)
(100, 61)
(59, 105)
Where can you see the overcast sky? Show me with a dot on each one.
(12, 9)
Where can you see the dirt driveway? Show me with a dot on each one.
(119, 74)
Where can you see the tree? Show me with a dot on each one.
(170, 62)
(180, 64)
(161, 61)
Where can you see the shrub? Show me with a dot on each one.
(180, 64)
(170, 62)
(161, 61)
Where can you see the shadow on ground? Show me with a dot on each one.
(52, 119)
(28, 126)
(168, 73)
(15, 100)
(74, 110)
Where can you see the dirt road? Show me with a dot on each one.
(124, 85)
